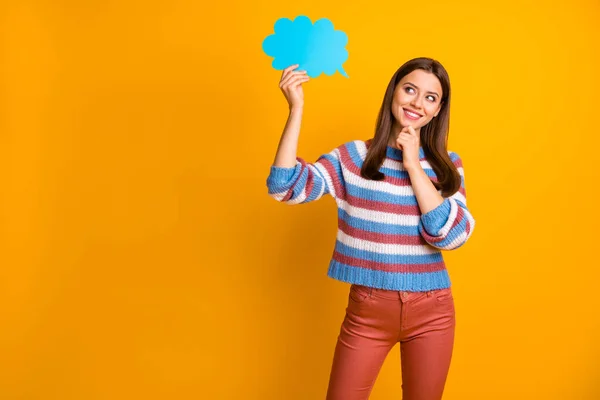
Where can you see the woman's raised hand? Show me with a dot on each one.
(291, 86)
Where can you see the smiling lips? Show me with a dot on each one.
(411, 114)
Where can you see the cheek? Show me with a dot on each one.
(401, 99)
(396, 107)
(431, 110)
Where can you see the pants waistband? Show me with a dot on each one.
(395, 294)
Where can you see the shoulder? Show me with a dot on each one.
(352, 148)
(455, 158)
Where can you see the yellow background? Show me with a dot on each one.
(142, 258)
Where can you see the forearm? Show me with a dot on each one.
(427, 195)
(445, 223)
(288, 144)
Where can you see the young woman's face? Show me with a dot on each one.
(417, 99)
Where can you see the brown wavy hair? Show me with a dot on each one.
(434, 135)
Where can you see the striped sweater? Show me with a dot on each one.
(383, 239)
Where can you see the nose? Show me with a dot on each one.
(416, 102)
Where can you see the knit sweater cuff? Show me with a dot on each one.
(281, 175)
(435, 219)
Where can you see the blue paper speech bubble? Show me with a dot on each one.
(317, 48)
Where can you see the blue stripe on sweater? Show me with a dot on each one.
(436, 218)
(453, 156)
(453, 233)
(387, 258)
(295, 178)
(403, 174)
(280, 178)
(334, 161)
(418, 282)
(376, 195)
(319, 184)
(394, 173)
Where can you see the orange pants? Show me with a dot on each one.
(376, 319)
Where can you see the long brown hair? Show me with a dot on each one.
(434, 135)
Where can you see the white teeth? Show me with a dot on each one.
(411, 114)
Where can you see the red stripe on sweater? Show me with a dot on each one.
(380, 237)
(405, 209)
(337, 185)
(310, 181)
(403, 268)
(355, 170)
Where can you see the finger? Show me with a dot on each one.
(288, 69)
(300, 81)
(291, 75)
(295, 82)
(291, 85)
(285, 75)
(405, 141)
(412, 130)
(288, 79)
(291, 70)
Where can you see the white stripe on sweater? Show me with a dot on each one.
(379, 216)
(453, 214)
(384, 248)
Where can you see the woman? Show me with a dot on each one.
(401, 200)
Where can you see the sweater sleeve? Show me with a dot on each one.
(306, 182)
(449, 225)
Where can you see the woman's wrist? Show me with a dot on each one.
(295, 109)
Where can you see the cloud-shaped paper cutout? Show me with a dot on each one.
(317, 48)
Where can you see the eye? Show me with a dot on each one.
(408, 88)
(431, 98)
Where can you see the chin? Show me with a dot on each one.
(406, 122)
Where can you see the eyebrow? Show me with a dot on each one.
(410, 83)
